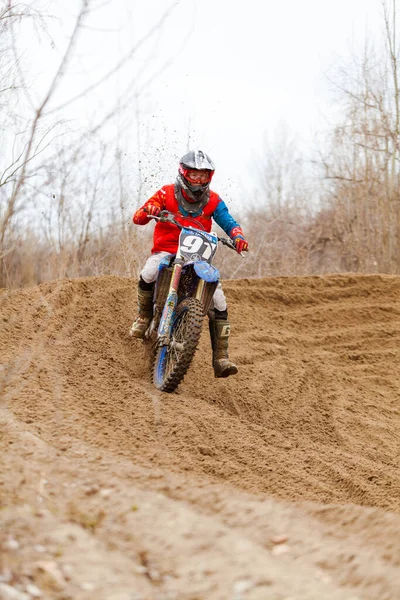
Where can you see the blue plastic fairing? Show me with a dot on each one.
(211, 237)
(164, 262)
(206, 271)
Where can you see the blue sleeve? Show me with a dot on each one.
(224, 219)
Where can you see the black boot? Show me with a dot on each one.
(145, 309)
(219, 333)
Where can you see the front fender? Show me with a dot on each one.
(205, 271)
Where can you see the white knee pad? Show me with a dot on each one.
(219, 299)
(150, 269)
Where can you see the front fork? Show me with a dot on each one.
(200, 290)
(164, 328)
(204, 293)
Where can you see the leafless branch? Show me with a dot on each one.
(120, 64)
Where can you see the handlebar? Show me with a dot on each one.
(168, 217)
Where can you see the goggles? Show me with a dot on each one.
(196, 176)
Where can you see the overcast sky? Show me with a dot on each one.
(231, 72)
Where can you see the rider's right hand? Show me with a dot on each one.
(152, 210)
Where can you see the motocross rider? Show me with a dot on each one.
(190, 196)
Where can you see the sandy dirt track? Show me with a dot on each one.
(281, 483)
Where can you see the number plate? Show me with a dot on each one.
(197, 245)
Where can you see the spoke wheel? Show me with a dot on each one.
(172, 362)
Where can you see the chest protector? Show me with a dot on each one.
(166, 235)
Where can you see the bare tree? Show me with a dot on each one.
(363, 167)
(278, 217)
(16, 173)
(37, 171)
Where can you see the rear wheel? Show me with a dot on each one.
(171, 362)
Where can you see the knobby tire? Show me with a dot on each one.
(170, 365)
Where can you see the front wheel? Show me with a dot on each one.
(171, 362)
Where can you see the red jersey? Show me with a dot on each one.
(166, 235)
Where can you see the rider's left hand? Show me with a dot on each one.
(241, 245)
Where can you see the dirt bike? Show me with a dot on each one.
(183, 293)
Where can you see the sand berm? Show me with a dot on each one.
(282, 483)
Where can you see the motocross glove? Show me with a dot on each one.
(241, 245)
(238, 239)
(152, 210)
